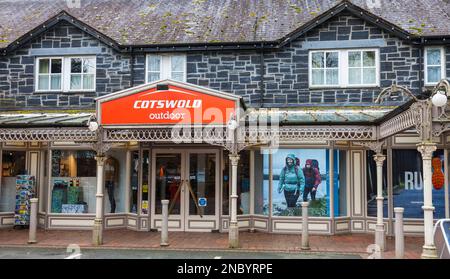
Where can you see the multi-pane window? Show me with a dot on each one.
(344, 68)
(49, 74)
(362, 68)
(434, 65)
(82, 73)
(325, 68)
(166, 67)
(154, 68)
(66, 74)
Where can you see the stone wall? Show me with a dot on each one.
(17, 72)
(285, 81)
(287, 70)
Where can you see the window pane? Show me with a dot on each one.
(354, 59)
(178, 76)
(75, 66)
(434, 57)
(55, 82)
(89, 65)
(88, 82)
(114, 177)
(175, 180)
(332, 76)
(369, 76)
(317, 77)
(75, 81)
(177, 63)
(153, 77)
(74, 182)
(354, 76)
(340, 183)
(369, 58)
(13, 164)
(154, 63)
(434, 74)
(317, 60)
(332, 60)
(134, 181)
(300, 175)
(408, 184)
(262, 190)
(243, 183)
(44, 66)
(56, 66)
(43, 82)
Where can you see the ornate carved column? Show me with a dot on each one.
(379, 229)
(233, 231)
(97, 234)
(429, 249)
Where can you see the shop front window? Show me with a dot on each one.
(262, 184)
(300, 175)
(114, 176)
(340, 183)
(407, 172)
(145, 178)
(243, 183)
(372, 185)
(134, 181)
(13, 164)
(74, 182)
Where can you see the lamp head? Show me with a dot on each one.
(439, 99)
(92, 124)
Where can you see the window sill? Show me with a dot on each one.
(345, 87)
(62, 92)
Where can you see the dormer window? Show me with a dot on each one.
(65, 74)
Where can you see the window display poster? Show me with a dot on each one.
(300, 175)
(408, 183)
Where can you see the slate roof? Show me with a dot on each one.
(321, 115)
(148, 22)
(45, 120)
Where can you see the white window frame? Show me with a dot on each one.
(65, 74)
(377, 69)
(68, 73)
(343, 69)
(36, 79)
(165, 66)
(325, 69)
(443, 67)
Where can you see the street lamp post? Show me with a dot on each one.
(100, 148)
(233, 230)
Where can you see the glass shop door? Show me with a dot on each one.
(189, 180)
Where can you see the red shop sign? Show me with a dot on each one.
(168, 103)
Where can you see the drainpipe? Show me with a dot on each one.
(421, 66)
(132, 68)
(262, 86)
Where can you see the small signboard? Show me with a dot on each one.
(202, 202)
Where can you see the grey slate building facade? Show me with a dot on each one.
(320, 64)
(280, 80)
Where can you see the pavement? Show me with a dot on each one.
(251, 244)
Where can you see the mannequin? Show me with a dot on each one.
(111, 179)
